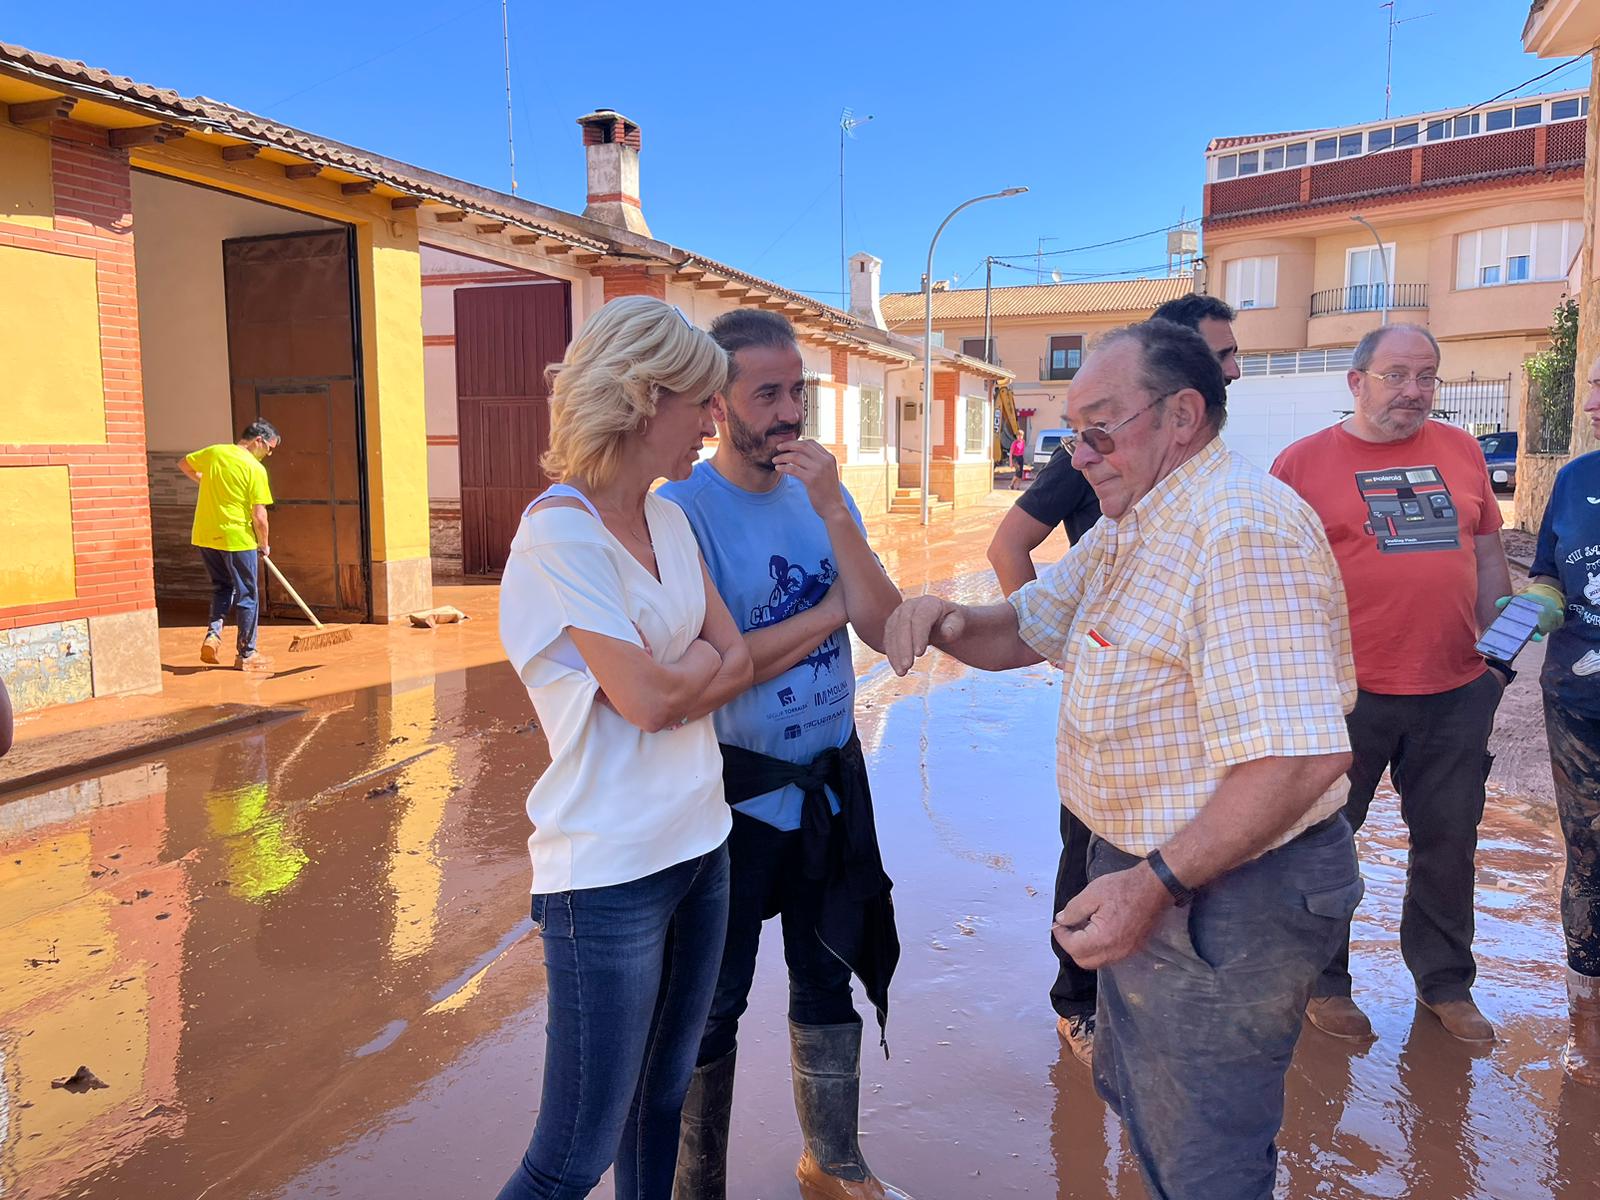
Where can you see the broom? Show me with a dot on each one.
(324, 635)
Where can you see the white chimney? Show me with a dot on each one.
(611, 144)
(866, 275)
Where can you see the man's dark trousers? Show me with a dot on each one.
(767, 878)
(1073, 994)
(1436, 748)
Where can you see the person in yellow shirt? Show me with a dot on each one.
(230, 529)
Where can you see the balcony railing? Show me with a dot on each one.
(1420, 168)
(1369, 297)
(1049, 374)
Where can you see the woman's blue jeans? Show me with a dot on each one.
(630, 970)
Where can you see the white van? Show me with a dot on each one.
(1044, 445)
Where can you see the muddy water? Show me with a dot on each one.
(301, 962)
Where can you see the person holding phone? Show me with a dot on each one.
(609, 617)
(1565, 583)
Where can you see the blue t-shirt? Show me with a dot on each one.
(770, 558)
(1569, 550)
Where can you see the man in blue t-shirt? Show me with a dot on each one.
(785, 547)
(1565, 580)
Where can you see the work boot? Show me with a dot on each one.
(1461, 1019)
(1340, 1017)
(703, 1133)
(1581, 1058)
(209, 649)
(253, 662)
(1077, 1032)
(826, 1063)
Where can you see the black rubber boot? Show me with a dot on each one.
(703, 1133)
(826, 1063)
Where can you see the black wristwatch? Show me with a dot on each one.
(1181, 896)
(1503, 667)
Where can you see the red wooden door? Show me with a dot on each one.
(505, 338)
(292, 360)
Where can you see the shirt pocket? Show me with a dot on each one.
(1113, 690)
(1098, 686)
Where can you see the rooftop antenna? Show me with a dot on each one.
(511, 141)
(1038, 258)
(847, 129)
(1388, 67)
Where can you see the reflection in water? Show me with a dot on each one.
(261, 859)
(328, 988)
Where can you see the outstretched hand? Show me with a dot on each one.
(920, 622)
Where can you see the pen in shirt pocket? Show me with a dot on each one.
(1096, 639)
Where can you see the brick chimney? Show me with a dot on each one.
(866, 275)
(611, 145)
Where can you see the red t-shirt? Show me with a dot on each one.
(1401, 518)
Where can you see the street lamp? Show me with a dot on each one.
(1383, 265)
(927, 341)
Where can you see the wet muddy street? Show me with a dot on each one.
(299, 960)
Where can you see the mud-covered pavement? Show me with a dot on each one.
(300, 961)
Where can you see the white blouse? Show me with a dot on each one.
(616, 803)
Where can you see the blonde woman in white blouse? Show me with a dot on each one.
(626, 649)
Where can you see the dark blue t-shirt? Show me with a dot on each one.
(1569, 550)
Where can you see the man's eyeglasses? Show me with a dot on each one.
(1098, 437)
(1396, 380)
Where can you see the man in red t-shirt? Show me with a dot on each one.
(1415, 526)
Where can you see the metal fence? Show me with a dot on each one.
(1477, 405)
(1549, 420)
(1369, 297)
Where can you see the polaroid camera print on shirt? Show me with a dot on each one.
(1409, 510)
(794, 589)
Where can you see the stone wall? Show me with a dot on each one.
(869, 485)
(180, 575)
(444, 533)
(961, 483)
(1536, 475)
(46, 664)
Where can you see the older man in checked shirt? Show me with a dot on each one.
(1207, 673)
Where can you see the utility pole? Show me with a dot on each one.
(848, 122)
(988, 293)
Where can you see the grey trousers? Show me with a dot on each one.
(1194, 1032)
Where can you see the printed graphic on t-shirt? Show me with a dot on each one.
(1589, 664)
(1587, 560)
(1409, 510)
(794, 589)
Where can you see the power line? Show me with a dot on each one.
(366, 62)
(1132, 237)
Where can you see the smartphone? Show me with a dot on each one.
(1518, 621)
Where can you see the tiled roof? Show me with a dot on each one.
(213, 116)
(1111, 296)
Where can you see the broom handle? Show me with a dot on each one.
(288, 587)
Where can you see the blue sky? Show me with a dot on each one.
(1102, 110)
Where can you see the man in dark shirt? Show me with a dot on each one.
(1061, 495)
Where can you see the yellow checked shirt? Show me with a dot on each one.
(1204, 629)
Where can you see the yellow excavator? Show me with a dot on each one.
(1005, 401)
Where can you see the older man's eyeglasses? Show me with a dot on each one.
(1098, 436)
(1426, 381)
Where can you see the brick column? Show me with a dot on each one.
(107, 482)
